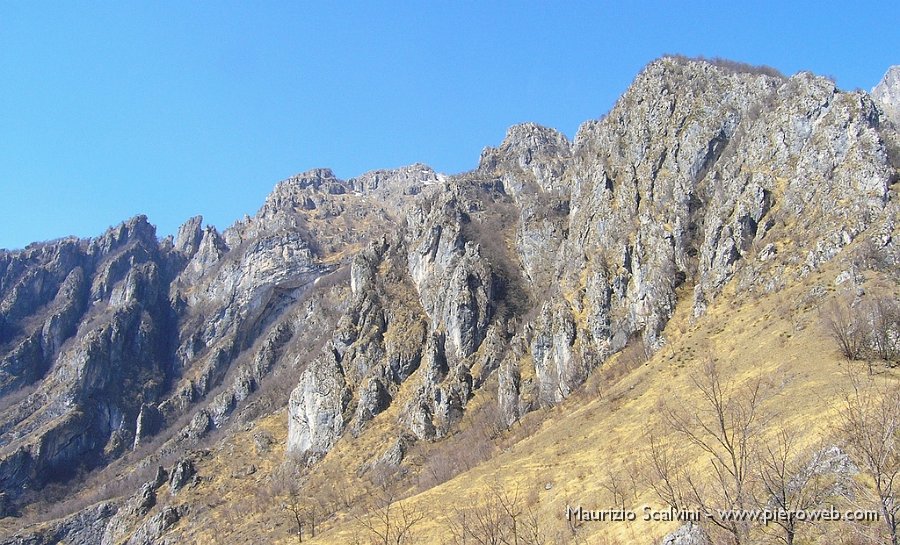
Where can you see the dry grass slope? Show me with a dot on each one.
(555, 457)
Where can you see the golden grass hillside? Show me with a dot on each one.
(564, 456)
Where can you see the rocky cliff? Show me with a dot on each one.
(413, 290)
(551, 255)
(887, 93)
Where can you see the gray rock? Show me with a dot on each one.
(679, 184)
(151, 532)
(85, 527)
(524, 274)
(373, 398)
(182, 474)
(146, 425)
(887, 93)
(161, 477)
(530, 154)
(317, 407)
(555, 362)
(395, 453)
(263, 441)
(130, 514)
(189, 236)
(687, 534)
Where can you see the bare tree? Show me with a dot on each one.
(476, 526)
(289, 487)
(532, 529)
(726, 428)
(870, 424)
(622, 485)
(293, 505)
(391, 522)
(665, 473)
(845, 327)
(884, 338)
(502, 517)
(792, 480)
(302, 510)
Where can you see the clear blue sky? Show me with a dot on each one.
(110, 109)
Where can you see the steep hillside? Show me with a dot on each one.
(518, 335)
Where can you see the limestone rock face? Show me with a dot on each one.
(181, 475)
(83, 528)
(552, 347)
(392, 189)
(530, 155)
(317, 407)
(405, 294)
(553, 255)
(108, 342)
(152, 530)
(887, 93)
(135, 508)
(687, 534)
(454, 283)
(85, 326)
(189, 237)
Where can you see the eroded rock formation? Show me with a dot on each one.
(411, 289)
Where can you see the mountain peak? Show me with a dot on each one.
(887, 93)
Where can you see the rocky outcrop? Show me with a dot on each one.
(410, 290)
(182, 474)
(686, 534)
(108, 342)
(129, 515)
(441, 395)
(530, 158)
(83, 528)
(100, 352)
(317, 407)
(887, 94)
(393, 189)
(431, 277)
(376, 346)
(151, 532)
(556, 364)
(454, 284)
(568, 252)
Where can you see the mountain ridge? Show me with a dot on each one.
(412, 293)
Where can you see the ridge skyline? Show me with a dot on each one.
(169, 229)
